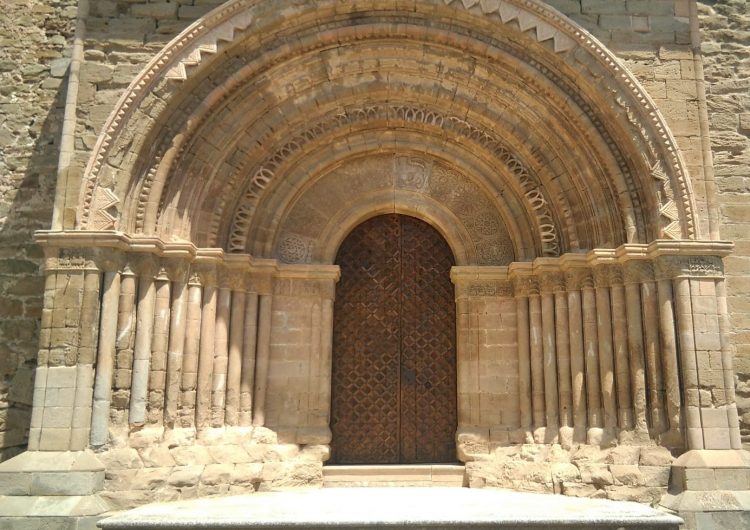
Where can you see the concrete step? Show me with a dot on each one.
(394, 508)
(436, 475)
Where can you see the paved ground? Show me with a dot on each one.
(394, 508)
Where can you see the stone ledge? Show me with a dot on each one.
(435, 508)
(52, 506)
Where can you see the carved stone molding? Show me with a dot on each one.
(228, 23)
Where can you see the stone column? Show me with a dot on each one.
(176, 348)
(591, 354)
(521, 289)
(105, 360)
(206, 350)
(549, 346)
(620, 351)
(249, 342)
(234, 361)
(143, 337)
(673, 436)
(562, 339)
(326, 357)
(727, 364)
(221, 355)
(655, 381)
(265, 306)
(606, 352)
(192, 346)
(577, 356)
(124, 346)
(159, 346)
(536, 347)
(636, 351)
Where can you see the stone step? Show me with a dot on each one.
(436, 475)
(394, 508)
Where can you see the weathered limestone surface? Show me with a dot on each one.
(726, 36)
(34, 56)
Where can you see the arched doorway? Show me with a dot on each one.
(394, 346)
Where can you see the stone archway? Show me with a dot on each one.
(394, 346)
(191, 286)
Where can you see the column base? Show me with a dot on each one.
(51, 489)
(711, 489)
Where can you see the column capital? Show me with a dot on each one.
(669, 267)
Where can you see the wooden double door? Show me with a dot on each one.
(394, 346)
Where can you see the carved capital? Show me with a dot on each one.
(637, 271)
(552, 281)
(575, 278)
(178, 270)
(668, 267)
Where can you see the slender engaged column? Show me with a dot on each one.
(221, 353)
(326, 354)
(620, 349)
(159, 344)
(192, 346)
(606, 353)
(249, 342)
(549, 345)
(669, 360)
(176, 348)
(206, 358)
(689, 363)
(635, 346)
(562, 335)
(263, 358)
(124, 343)
(577, 358)
(234, 368)
(537, 362)
(316, 315)
(591, 354)
(653, 365)
(105, 359)
(142, 356)
(524, 353)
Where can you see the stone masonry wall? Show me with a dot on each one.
(726, 54)
(35, 40)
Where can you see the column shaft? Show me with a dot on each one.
(653, 366)
(689, 364)
(606, 357)
(620, 349)
(263, 358)
(142, 356)
(249, 343)
(669, 354)
(177, 325)
(221, 353)
(105, 359)
(524, 365)
(190, 359)
(159, 346)
(635, 345)
(206, 358)
(551, 403)
(537, 360)
(591, 353)
(577, 364)
(234, 366)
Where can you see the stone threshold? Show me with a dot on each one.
(427, 475)
(394, 508)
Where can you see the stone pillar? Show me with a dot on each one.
(562, 339)
(591, 354)
(265, 306)
(549, 347)
(673, 436)
(521, 290)
(577, 356)
(105, 359)
(58, 476)
(234, 361)
(176, 347)
(710, 483)
(655, 380)
(159, 347)
(606, 353)
(620, 351)
(206, 350)
(192, 347)
(143, 337)
(221, 356)
(249, 342)
(536, 347)
(635, 348)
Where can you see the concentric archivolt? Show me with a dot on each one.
(156, 95)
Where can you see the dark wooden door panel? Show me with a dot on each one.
(394, 363)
